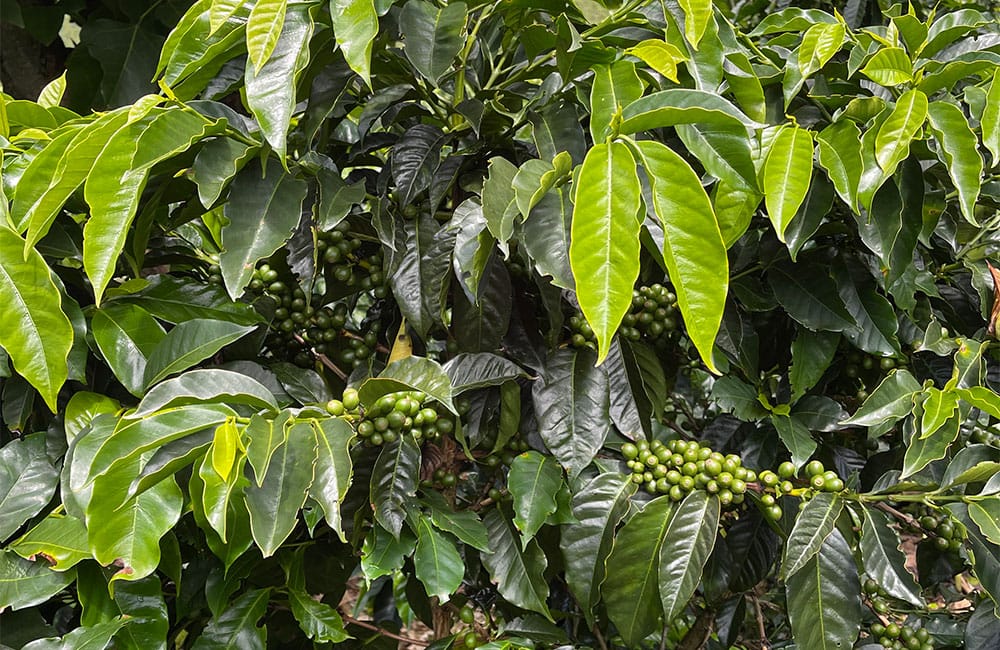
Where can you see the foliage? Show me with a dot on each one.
(534, 323)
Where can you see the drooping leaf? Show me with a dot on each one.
(795, 437)
(59, 539)
(410, 373)
(264, 26)
(320, 622)
(533, 481)
(824, 598)
(206, 385)
(960, 153)
(355, 25)
(394, 482)
(631, 589)
(883, 559)
(236, 627)
(810, 296)
(680, 106)
(990, 121)
(436, 562)
(469, 371)
(432, 36)
(812, 353)
(604, 240)
(813, 525)
(693, 248)
(839, 153)
(571, 404)
(333, 468)
(519, 574)
(986, 514)
(685, 549)
(697, 15)
(34, 331)
(892, 143)
(274, 506)
(262, 212)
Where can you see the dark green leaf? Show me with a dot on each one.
(533, 482)
(394, 482)
(432, 36)
(436, 562)
(824, 598)
(685, 549)
(519, 575)
(883, 559)
(812, 526)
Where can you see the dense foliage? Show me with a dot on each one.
(502, 324)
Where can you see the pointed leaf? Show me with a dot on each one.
(889, 67)
(436, 562)
(355, 25)
(26, 584)
(236, 627)
(206, 385)
(812, 353)
(686, 546)
(533, 482)
(810, 296)
(319, 621)
(333, 468)
(519, 575)
(787, 175)
(394, 482)
(680, 106)
(263, 28)
(795, 437)
(892, 400)
(615, 86)
(60, 539)
(410, 373)
(884, 561)
(839, 149)
(990, 121)
(938, 408)
(27, 482)
(126, 335)
(958, 147)
(693, 248)
(604, 240)
(812, 526)
(189, 343)
(432, 35)
(892, 143)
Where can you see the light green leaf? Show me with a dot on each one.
(223, 451)
(52, 93)
(264, 436)
(884, 561)
(986, 514)
(129, 537)
(267, 18)
(982, 398)
(889, 67)
(990, 121)
(920, 452)
(333, 468)
(693, 248)
(812, 526)
(274, 505)
(615, 86)
(680, 106)
(533, 482)
(938, 407)
(723, 150)
(688, 542)
(206, 385)
(519, 575)
(221, 11)
(604, 239)
(891, 401)
(631, 589)
(697, 15)
(436, 562)
(432, 36)
(824, 598)
(119, 175)
(355, 26)
(819, 44)
(26, 584)
(271, 86)
(660, 56)
(958, 148)
(60, 539)
(892, 143)
(189, 343)
(126, 335)
(262, 213)
(787, 175)
(34, 331)
(840, 155)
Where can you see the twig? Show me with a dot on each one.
(325, 360)
(600, 638)
(760, 622)
(902, 516)
(386, 633)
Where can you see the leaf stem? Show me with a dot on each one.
(386, 633)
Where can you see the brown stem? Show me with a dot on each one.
(386, 633)
(760, 622)
(600, 639)
(902, 516)
(325, 360)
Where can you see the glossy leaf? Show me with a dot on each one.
(586, 543)
(264, 25)
(892, 143)
(812, 353)
(830, 577)
(469, 371)
(26, 584)
(938, 407)
(432, 35)
(884, 561)
(274, 506)
(604, 240)
(889, 67)
(571, 404)
(355, 25)
(615, 86)
(688, 542)
(319, 621)
(333, 468)
(810, 296)
(436, 562)
(986, 514)
(697, 15)
(813, 525)
(394, 482)
(533, 482)
(264, 436)
(206, 385)
(787, 175)
(410, 373)
(126, 335)
(518, 573)
(34, 331)
(795, 436)
(959, 150)
(217, 163)
(59, 539)
(660, 56)
(236, 627)
(892, 400)
(819, 44)
(189, 343)
(631, 590)
(27, 482)
(990, 121)
(693, 248)
(680, 106)
(262, 213)
(920, 452)
(839, 153)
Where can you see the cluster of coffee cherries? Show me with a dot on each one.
(678, 467)
(780, 483)
(653, 315)
(942, 530)
(467, 637)
(901, 637)
(397, 414)
(345, 261)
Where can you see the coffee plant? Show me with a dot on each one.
(523, 324)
